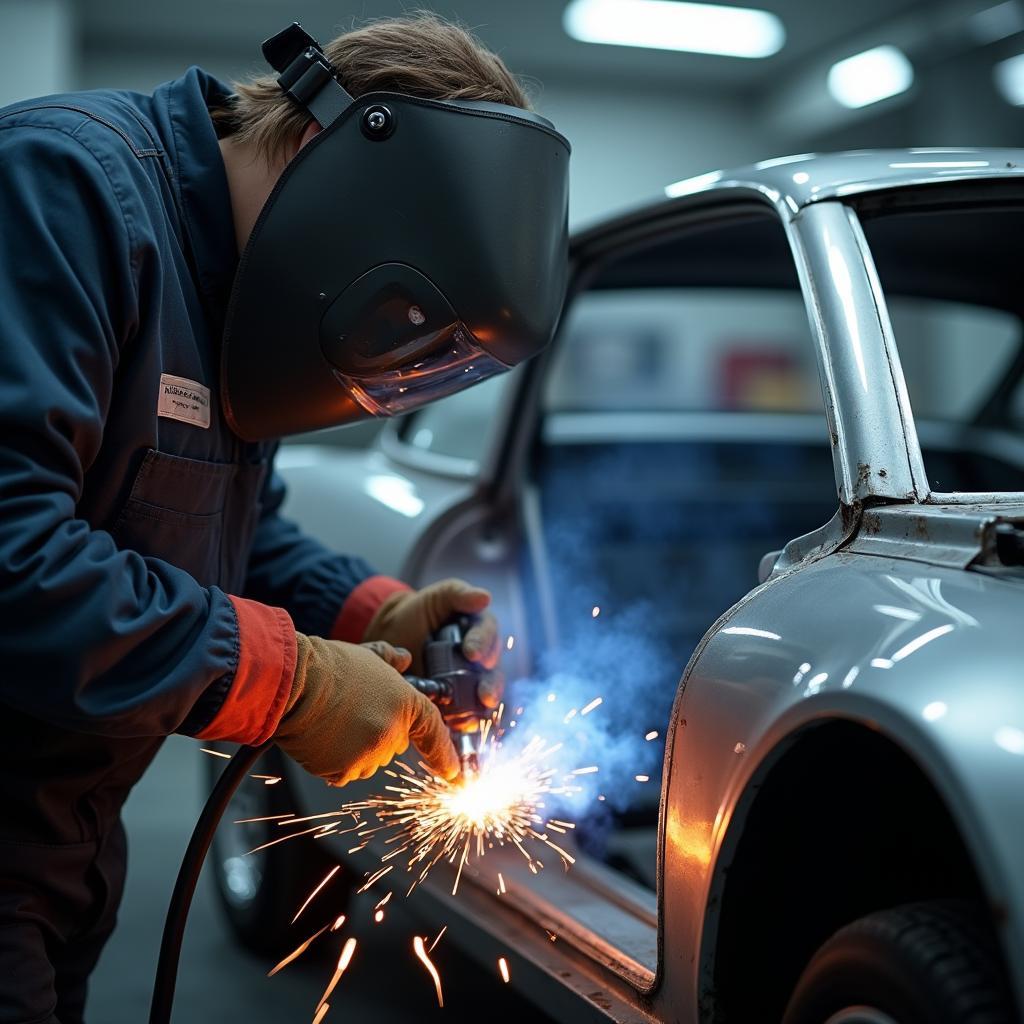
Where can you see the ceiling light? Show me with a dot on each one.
(675, 25)
(1009, 76)
(870, 76)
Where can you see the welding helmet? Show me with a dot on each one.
(413, 247)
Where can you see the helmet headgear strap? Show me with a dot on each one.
(305, 75)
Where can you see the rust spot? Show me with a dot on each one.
(601, 1000)
(863, 473)
(921, 528)
(882, 472)
(871, 523)
(835, 439)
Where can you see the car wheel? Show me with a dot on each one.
(260, 892)
(924, 963)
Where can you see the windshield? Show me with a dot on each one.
(952, 287)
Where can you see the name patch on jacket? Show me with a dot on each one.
(184, 400)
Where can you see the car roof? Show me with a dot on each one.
(805, 178)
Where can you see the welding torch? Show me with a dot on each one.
(451, 681)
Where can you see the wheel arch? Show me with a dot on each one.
(838, 820)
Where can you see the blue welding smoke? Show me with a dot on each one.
(618, 658)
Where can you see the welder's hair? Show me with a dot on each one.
(418, 54)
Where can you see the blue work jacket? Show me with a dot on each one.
(129, 509)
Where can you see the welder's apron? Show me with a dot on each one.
(62, 849)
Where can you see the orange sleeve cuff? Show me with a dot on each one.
(263, 679)
(361, 606)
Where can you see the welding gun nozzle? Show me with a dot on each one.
(469, 756)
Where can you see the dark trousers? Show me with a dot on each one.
(58, 906)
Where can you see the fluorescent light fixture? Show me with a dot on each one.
(1010, 739)
(1009, 76)
(675, 25)
(871, 76)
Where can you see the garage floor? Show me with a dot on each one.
(220, 982)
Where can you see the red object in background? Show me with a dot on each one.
(760, 378)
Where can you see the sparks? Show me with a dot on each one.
(501, 885)
(503, 968)
(215, 753)
(596, 702)
(338, 923)
(585, 771)
(343, 961)
(296, 953)
(642, 778)
(291, 835)
(321, 1013)
(418, 949)
(422, 819)
(595, 611)
(378, 916)
(652, 735)
(309, 898)
(437, 939)
(510, 643)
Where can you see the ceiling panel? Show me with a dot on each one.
(527, 33)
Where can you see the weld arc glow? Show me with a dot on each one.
(424, 819)
(675, 25)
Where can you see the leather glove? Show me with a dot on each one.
(350, 712)
(408, 618)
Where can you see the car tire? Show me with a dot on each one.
(261, 892)
(924, 963)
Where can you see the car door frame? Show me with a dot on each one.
(864, 397)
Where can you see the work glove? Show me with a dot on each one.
(407, 619)
(350, 712)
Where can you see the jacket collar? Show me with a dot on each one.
(182, 115)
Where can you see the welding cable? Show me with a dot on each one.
(195, 854)
(188, 876)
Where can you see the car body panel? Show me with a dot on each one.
(903, 663)
(794, 182)
(872, 619)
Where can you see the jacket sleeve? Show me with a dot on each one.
(327, 594)
(93, 638)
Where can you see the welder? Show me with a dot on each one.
(186, 277)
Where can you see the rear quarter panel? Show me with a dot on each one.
(868, 639)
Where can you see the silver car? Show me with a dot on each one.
(777, 444)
